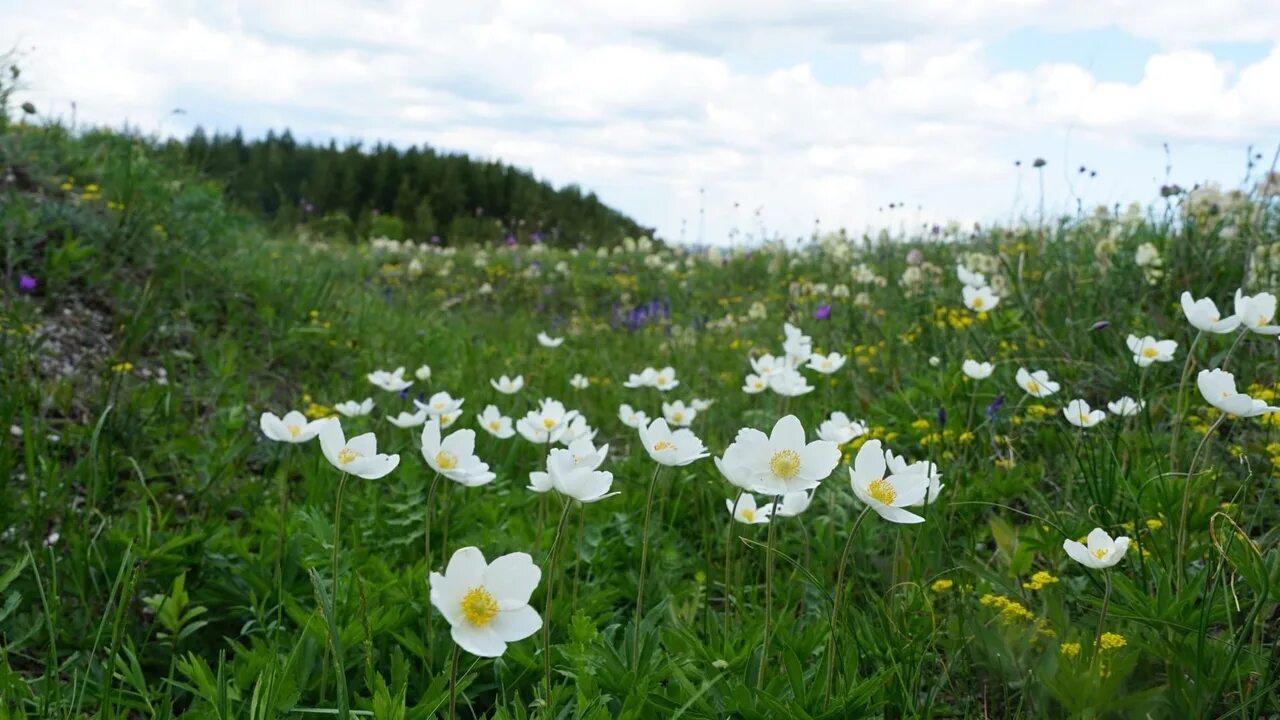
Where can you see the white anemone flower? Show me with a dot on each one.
(644, 378)
(547, 424)
(1147, 350)
(546, 340)
(454, 456)
(970, 278)
(579, 382)
(1126, 406)
(576, 429)
(678, 414)
(1079, 413)
(487, 604)
(793, 503)
(423, 373)
(839, 429)
(352, 408)
(440, 403)
(797, 346)
(755, 384)
(632, 418)
(782, 462)
(747, 512)
(1219, 389)
(574, 472)
(671, 448)
(1036, 384)
(1257, 313)
(767, 365)
(980, 299)
(292, 428)
(789, 383)
(898, 465)
(1203, 315)
(358, 456)
(665, 379)
(390, 381)
(888, 496)
(700, 405)
(977, 370)
(826, 364)
(1102, 552)
(448, 419)
(495, 423)
(408, 419)
(508, 386)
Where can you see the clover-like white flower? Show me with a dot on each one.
(980, 299)
(1147, 350)
(672, 448)
(390, 381)
(1203, 315)
(546, 340)
(747, 512)
(1079, 413)
(487, 604)
(358, 456)
(408, 419)
(579, 382)
(839, 429)
(678, 414)
(826, 364)
(1126, 406)
(977, 370)
(353, 408)
(441, 403)
(495, 423)
(454, 456)
(508, 386)
(1102, 552)
(1219, 389)
(1036, 384)
(292, 428)
(888, 496)
(423, 373)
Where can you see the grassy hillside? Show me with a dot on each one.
(160, 556)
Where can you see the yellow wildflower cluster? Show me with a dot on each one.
(1111, 641)
(121, 368)
(864, 355)
(1036, 411)
(91, 192)
(954, 318)
(22, 329)
(920, 424)
(1039, 580)
(1069, 649)
(942, 585)
(1155, 524)
(1010, 609)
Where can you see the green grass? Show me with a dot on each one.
(182, 581)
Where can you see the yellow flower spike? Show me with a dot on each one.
(1155, 524)
(941, 585)
(1069, 650)
(1111, 641)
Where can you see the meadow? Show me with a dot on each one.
(166, 550)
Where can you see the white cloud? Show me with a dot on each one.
(646, 105)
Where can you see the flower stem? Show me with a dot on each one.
(284, 529)
(453, 685)
(337, 539)
(554, 556)
(836, 605)
(768, 596)
(1186, 501)
(426, 554)
(1102, 617)
(644, 565)
(1182, 385)
(728, 567)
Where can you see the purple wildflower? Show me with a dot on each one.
(942, 418)
(27, 284)
(1100, 325)
(995, 406)
(822, 313)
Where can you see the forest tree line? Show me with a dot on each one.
(416, 193)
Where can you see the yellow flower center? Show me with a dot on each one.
(346, 456)
(1033, 386)
(548, 423)
(494, 424)
(663, 445)
(977, 303)
(678, 417)
(1084, 419)
(479, 607)
(748, 514)
(662, 380)
(826, 364)
(1263, 321)
(785, 463)
(446, 460)
(1101, 553)
(438, 406)
(1150, 352)
(759, 384)
(882, 491)
(294, 431)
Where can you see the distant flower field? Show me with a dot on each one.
(1020, 471)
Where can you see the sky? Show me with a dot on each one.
(712, 121)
